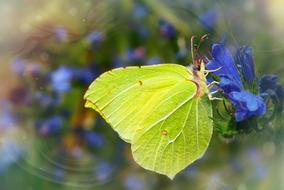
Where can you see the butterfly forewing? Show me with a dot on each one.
(126, 96)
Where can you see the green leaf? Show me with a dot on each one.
(161, 110)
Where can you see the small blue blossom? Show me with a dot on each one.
(59, 174)
(19, 66)
(154, 60)
(93, 139)
(228, 85)
(118, 62)
(269, 84)
(61, 33)
(209, 19)
(46, 100)
(167, 30)
(134, 182)
(244, 59)
(84, 76)
(143, 32)
(140, 11)
(137, 54)
(50, 126)
(22, 67)
(103, 171)
(7, 119)
(245, 103)
(95, 37)
(270, 87)
(10, 152)
(61, 79)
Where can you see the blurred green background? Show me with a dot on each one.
(50, 52)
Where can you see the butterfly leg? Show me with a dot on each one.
(214, 98)
(209, 86)
(206, 72)
(210, 95)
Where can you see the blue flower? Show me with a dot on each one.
(61, 79)
(167, 30)
(103, 171)
(10, 152)
(61, 33)
(7, 118)
(209, 19)
(19, 66)
(118, 62)
(223, 60)
(143, 32)
(269, 84)
(154, 60)
(137, 54)
(140, 11)
(134, 182)
(83, 76)
(245, 103)
(244, 59)
(59, 174)
(269, 87)
(95, 37)
(93, 139)
(46, 100)
(50, 126)
(228, 85)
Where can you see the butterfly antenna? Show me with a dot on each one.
(192, 48)
(202, 39)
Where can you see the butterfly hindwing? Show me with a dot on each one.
(177, 140)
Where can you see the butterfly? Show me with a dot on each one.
(163, 111)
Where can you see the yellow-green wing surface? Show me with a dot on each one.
(177, 140)
(155, 108)
(125, 96)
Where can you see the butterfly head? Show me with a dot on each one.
(199, 77)
(198, 67)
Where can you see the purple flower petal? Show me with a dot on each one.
(228, 85)
(247, 105)
(245, 60)
(223, 60)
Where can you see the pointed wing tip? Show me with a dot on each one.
(88, 104)
(171, 176)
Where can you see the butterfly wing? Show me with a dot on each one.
(156, 109)
(126, 96)
(175, 141)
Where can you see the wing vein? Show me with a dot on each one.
(169, 114)
(197, 127)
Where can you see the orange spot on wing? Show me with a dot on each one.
(164, 132)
